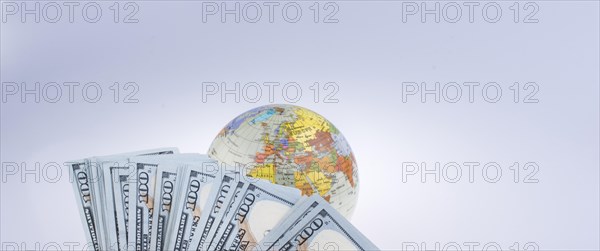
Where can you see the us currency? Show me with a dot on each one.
(211, 219)
(116, 188)
(142, 205)
(97, 189)
(121, 198)
(114, 173)
(152, 192)
(82, 188)
(166, 190)
(89, 189)
(223, 214)
(260, 207)
(323, 228)
(196, 186)
(302, 209)
(145, 189)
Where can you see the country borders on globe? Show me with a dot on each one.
(292, 146)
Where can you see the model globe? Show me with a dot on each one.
(292, 146)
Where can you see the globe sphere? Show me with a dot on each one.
(292, 146)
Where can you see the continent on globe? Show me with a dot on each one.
(292, 146)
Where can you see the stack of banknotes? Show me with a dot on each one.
(165, 200)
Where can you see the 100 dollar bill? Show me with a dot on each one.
(189, 209)
(166, 192)
(302, 209)
(104, 202)
(149, 192)
(210, 220)
(321, 229)
(82, 188)
(117, 187)
(142, 206)
(258, 210)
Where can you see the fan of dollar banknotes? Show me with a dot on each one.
(165, 200)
